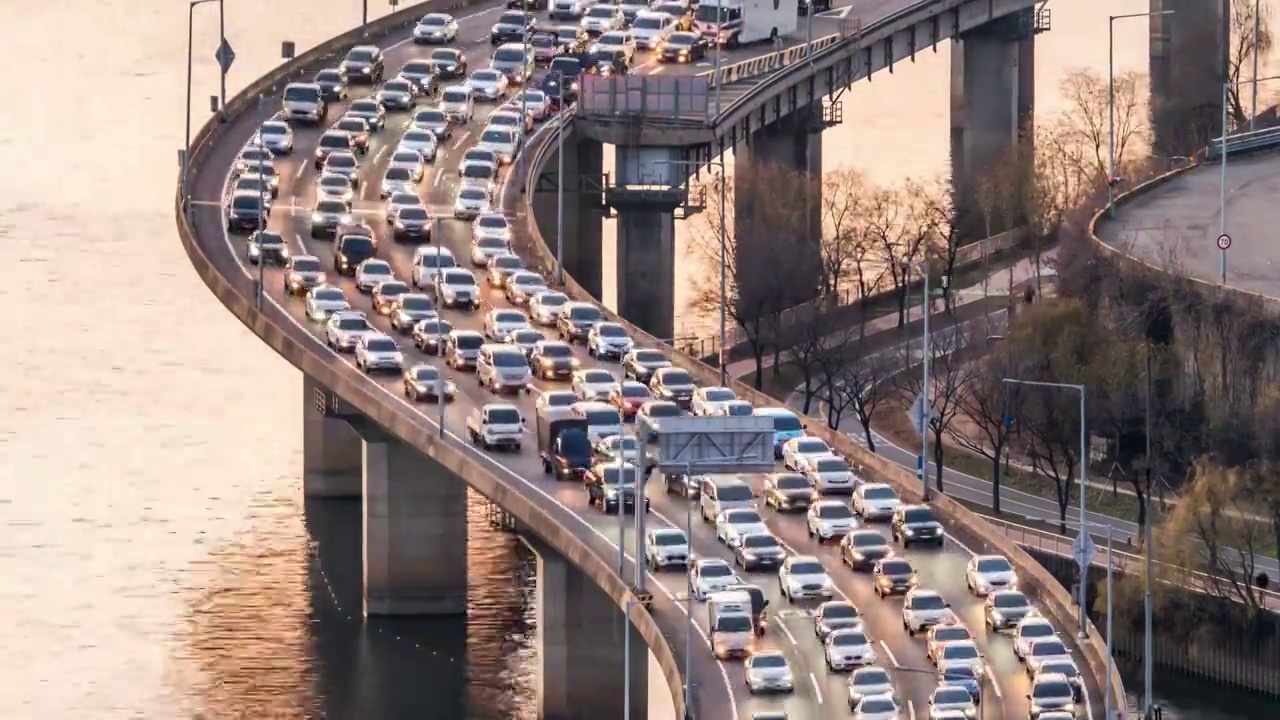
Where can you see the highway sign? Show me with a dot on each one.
(1084, 549)
(918, 415)
(714, 444)
(1224, 241)
(225, 55)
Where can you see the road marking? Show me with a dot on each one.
(817, 689)
(911, 710)
(890, 654)
(382, 153)
(995, 684)
(787, 631)
(439, 177)
(464, 137)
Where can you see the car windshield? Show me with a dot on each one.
(559, 399)
(960, 672)
(333, 182)
(827, 465)
(648, 23)
(791, 482)
(382, 345)
(634, 391)
(879, 493)
(565, 67)
(720, 395)
(871, 676)
(496, 135)
(417, 68)
(927, 602)
(1037, 630)
(335, 140)
(414, 212)
(419, 137)
(527, 279)
(360, 244)
(352, 323)
(877, 704)
(611, 330)
(509, 54)
(341, 162)
(306, 265)
(493, 222)
(1048, 648)
(959, 651)
(366, 107)
(460, 277)
(434, 21)
(375, 267)
(509, 316)
(950, 634)
(534, 97)
(392, 289)
(615, 475)
(601, 11)
(682, 39)
(649, 356)
(669, 538)
(1061, 667)
(503, 119)
(834, 511)
(837, 611)
(556, 350)
(328, 76)
(430, 117)
(352, 125)
(1010, 600)
(1050, 689)
(328, 295)
(455, 96)
(952, 696)
(741, 517)
(301, 93)
(416, 303)
(896, 567)
(733, 623)
(504, 416)
(396, 86)
(469, 341)
(542, 41)
(478, 171)
(473, 193)
(849, 638)
(486, 76)
(509, 359)
(274, 129)
(446, 54)
(769, 661)
(603, 416)
(807, 567)
(551, 299)
(918, 515)
(716, 570)
(403, 199)
(399, 174)
(663, 409)
(869, 538)
(436, 327)
(512, 18)
(760, 541)
(786, 423)
(613, 38)
(251, 183)
(733, 492)
(584, 313)
(994, 565)
(507, 262)
(246, 202)
(360, 55)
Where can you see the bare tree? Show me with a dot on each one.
(865, 386)
(983, 405)
(901, 226)
(947, 373)
(804, 339)
(1086, 122)
(846, 238)
(1240, 56)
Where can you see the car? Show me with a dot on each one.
(940, 635)
(628, 396)
(532, 102)
(377, 352)
(523, 338)
(1004, 609)
(493, 226)
(602, 18)
(913, 524)
(957, 654)
(683, 47)
(343, 330)
(875, 501)
(462, 348)
(553, 360)
(503, 142)
(894, 576)
(652, 412)
(830, 474)
(836, 615)
(324, 300)
(254, 185)
(544, 46)
(1029, 630)
(409, 309)
(572, 40)
(330, 214)
(422, 74)
(429, 335)
(787, 492)
(608, 340)
(267, 246)
(397, 179)
(602, 420)
(846, 649)
(732, 525)
(593, 384)
(828, 520)
(425, 142)
(371, 111)
(496, 425)
(510, 117)
(372, 271)
(511, 60)
(545, 307)
(877, 707)
(709, 575)
(1043, 651)
(456, 288)
(363, 64)
(622, 448)
(484, 248)
(385, 295)
(558, 402)
(612, 487)
(617, 41)
(500, 321)
(567, 9)
(768, 671)
(333, 85)
(922, 609)
(502, 267)
(512, 26)
(969, 677)
(356, 128)
(522, 285)
(265, 168)
(480, 155)
(343, 163)
(869, 681)
(301, 273)
(1068, 670)
(304, 102)
(350, 251)
(949, 702)
(435, 29)
(247, 211)
(666, 548)
(561, 81)
(434, 121)
(502, 368)
(862, 549)
(426, 382)
(488, 85)
(802, 576)
(639, 363)
(457, 105)
(449, 63)
(397, 201)
(1051, 692)
(332, 186)
(674, 384)
(470, 203)
(650, 29)
(709, 401)
(413, 222)
(576, 320)
(429, 262)
(276, 136)
(988, 573)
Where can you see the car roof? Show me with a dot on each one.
(774, 412)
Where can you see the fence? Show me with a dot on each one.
(1244, 143)
(669, 98)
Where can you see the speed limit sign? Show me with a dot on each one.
(1224, 241)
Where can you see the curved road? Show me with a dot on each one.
(721, 690)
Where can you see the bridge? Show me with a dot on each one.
(363, 438)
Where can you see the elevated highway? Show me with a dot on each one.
(398, 444)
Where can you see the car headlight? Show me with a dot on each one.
(321, 278)
(971, 712)
(909, 531)
(611, 494)
(365, 70)
(253, 250)
(317, 217)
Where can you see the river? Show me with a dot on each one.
(158, 559)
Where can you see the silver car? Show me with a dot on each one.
(377, 352)
(868, 681)
(488, 85)
(768, 671)
(544, 308)
(302, 273)
(371, 272)
(276, 136)
(397, 202)
(397, 95)
(423, 381)
(343, 330)
(428, 261)
(397, 179)
(504, 142)
(455, 101)
(324, 300)
(602, 18)
(511, 60)
(333, 186)
(499, 322)
(410, 308)
(411, 160)
(435, 28)
(423, 141)
(483, 249)
(457, 288)
(433, 120)
(502, 267)
(829, 519)
(503, 368)
(479, 175)
(522, 286)
(345, 164)
(372, 112)
(470, 203)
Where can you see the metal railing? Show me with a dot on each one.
(1244, 142)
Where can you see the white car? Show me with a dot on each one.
(501, 267)
(533, 102)
(487, 84)
(651, 29)
(422, 141)
(457, 105)
(663, 547)
(710, 401)
(324, 300)
(332, 186)
(951, 702)
(470, 203)
(1029, 631)
(802, 576)
(602, 18)
(556, 404)
(493, 225)
(398, 179)
(602, 419)
(875, 501)
(870, 681)
(371, 272)
(922, 609)
(429, 261)
(436, 28)
(545, 307)
(987, 573)
(344, 329)
(457, 288)
(876, 707)
(1043, 651)
(608, 340)
(479, 175)
(615, 41)
(733, 525)
(797, 451)
(522, 285)
(500, 322)
(830, 474)
(828, 520)
(411, 160)
(1051, 693)
(768, 671)
(376, 352)
(423, 381)
(276, 136)
(961, 653)
(593, 384)
(484, 249)
(504, 142)
(709, 575)
(847, 648)
(409, 309)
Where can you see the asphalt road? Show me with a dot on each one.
(721, 691)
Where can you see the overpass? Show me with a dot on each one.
(362, 438)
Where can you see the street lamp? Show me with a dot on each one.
(1084, 465)
(1222, 189)
(563, 113)
(186, 148)
(1111, 102)
(626, 656)
(1084, 529)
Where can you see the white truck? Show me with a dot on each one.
(569, 9)
(729, 623)
(496, 425)
(736, 22)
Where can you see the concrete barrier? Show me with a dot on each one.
(765, 64)
(310, 356)
(963, 524)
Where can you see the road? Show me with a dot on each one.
(721, 690)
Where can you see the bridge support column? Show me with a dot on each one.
(1188, 65)
(647, 192)
(415, 532)
(331, 449)
(992, 100)
(582, 649)
(583, 216)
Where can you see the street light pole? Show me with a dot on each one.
(926, 408)
(1222, 188)
(1257, 32)
(560, 184)
(626, 661)
(186, 148)
(1111, 103)
(1148, 565)
(222, 69)
(688, 605)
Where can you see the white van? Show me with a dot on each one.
(569, 9)
(603, 419)
(729, 623)
(718, 493)
(457, 105)
(304, 102)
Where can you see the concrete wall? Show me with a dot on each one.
(1188, 65)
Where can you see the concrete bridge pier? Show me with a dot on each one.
(415, 531)
(581, 646)
(583, 216)
(1188, 65)
(332, 463)
(992, 101)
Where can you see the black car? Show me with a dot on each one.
(607, 489)
(787, 492)
(423, 75)
(449, 63)
(913, 524)
(684, 47)
(333, 84)
(862, 549)
(609, 63)
(640, 363)
(681, 484)
(894, 576)
(552, 359)
(429, 336)
(759, 551)
(561, 80)
(351, 250)
(512, 26)
(246, 211)
(270, 248)
(363, 64)
(412, 223)
(539, 4)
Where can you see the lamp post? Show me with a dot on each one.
(186, 148)
(626, 659)
(1222, 187)
(1111, 102)
(1148, 567)
(562, 111)
(1084, 465)
(1257, 32)
(222, 69)
(1110, 610)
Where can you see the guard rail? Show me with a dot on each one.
(1244, 143)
